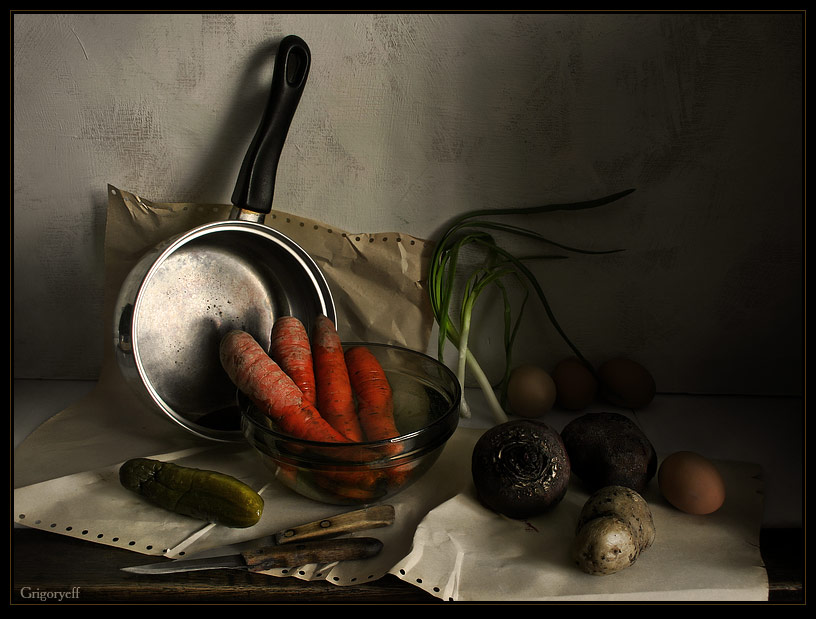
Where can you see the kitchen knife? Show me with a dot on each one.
(270, 557)
(357, 520)
(287, 543)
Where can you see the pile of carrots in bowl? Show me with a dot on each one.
(340, 423)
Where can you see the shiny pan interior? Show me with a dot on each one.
(177, 306)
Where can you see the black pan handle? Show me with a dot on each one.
(256, 180)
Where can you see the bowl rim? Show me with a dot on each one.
(244, 405)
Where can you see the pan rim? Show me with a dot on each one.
(307, 265)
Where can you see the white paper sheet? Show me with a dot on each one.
(465, 552)
(443, 541)
(92, 505)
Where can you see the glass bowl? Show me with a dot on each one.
(426, 410)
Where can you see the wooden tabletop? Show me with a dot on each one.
(48, 566)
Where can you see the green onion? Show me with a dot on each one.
(473, 229)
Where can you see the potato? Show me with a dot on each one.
(625, 504)
(605, 545)
(614, 527)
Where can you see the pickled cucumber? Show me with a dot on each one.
(202, 494)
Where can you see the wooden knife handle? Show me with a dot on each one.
(358, 520)
(313, 551)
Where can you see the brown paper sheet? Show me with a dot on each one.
(377, 280)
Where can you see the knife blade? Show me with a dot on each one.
(270, 557)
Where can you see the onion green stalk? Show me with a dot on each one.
(474, 229)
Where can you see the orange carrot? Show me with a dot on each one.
(350, 487)
(375, 401)
(291, 350)
(271, 390)
(335, 399)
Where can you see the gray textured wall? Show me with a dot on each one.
(408, 120)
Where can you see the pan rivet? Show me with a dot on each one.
(325, 524)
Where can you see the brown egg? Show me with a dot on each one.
(530, 391)
(575, 384)
(626, 383)
(691, 483)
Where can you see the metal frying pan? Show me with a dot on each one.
(184, 295)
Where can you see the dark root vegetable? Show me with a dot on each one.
(609, 449)
(520, 468)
